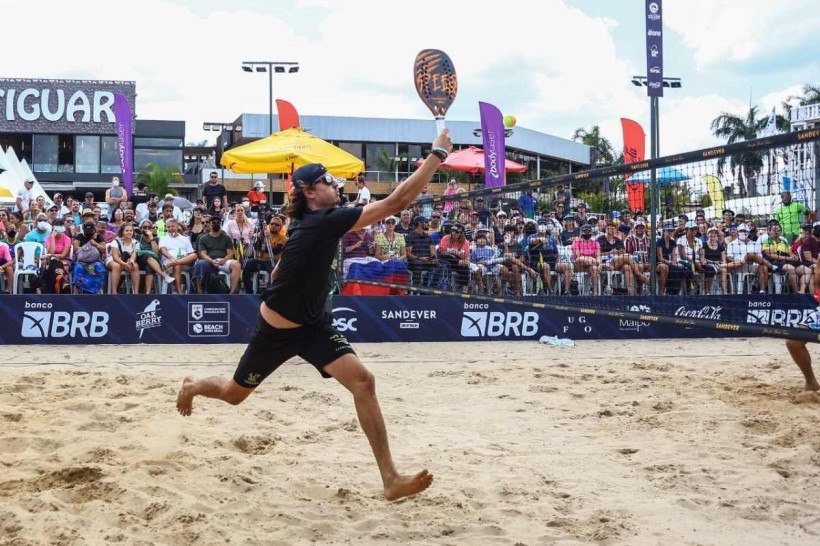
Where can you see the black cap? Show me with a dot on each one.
(420, 219)
(89, 194)
(728, 211)
(306, 175)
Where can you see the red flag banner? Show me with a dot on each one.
(634, 151)
(288, 117)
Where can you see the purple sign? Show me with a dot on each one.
(654, 49)
(122, 114)
(492, 134)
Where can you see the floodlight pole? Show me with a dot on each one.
(653, 197)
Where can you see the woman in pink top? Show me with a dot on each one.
(587, 254)
(55, 260)
(240, 229)
(7, 265)
(452, 189)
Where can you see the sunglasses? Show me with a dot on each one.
(214, 176)
(327, 179)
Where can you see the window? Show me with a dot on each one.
(45, 153)
(88, 154)
(158, 142)
(379, 157)
(109, 155)
(353, 148)
(163, 158)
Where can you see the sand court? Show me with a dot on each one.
(609, 442)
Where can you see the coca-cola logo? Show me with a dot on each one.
(708, 312)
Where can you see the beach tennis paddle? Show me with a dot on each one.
(436, 82)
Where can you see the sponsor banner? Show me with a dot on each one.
(229, 319)
(654, 49)
(61, 106)
(493, 137)
(125, 141)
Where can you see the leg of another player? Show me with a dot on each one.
(350, 372)
(800, 355)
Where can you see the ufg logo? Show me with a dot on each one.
(495, 324)
(44, 324)
(344, 323)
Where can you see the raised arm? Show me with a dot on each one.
(406, 192)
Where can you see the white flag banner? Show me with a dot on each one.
(771, 125)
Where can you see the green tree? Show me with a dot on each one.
(810, 95)
(159, 179)
(603, 154)
(732, 128)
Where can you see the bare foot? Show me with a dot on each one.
(404, 486)
(185, 398)
(813, 386)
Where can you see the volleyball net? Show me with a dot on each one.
(715, 221)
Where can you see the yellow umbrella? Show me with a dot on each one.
(286, 151)
(5, 192)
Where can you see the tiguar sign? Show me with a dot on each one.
(61, 106)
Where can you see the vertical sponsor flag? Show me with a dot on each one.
(288, 117)
(771, 124)
(634, 150)
(654, 49)
(492, 135)
(125, 140)
(715, 189)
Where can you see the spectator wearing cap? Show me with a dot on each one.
(482, 211)
(637, 245)
(256, 196)
(713, 259)
(790, 215)
(454, 250)
(777, 250)
(142, 208)
(675, 273)
(563, 196)
(421, 251)
(169, 200)
(528, 203)
(592, 221)
(25, 196)
(115, 195)
(542, 253)
(580, 214)
(743, 253)
(614, 257)
(153, 214)
(88, 203)
(390, 245)
(689, 247)
(214, 189)
(484, 262)
(62, 209)
(570, 232)
(586, 253)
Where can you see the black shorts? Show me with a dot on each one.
(270, 347)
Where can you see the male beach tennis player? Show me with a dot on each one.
(797, 349)
(293, 319)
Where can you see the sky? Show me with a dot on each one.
(557, 65)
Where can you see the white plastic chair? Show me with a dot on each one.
(28, 264)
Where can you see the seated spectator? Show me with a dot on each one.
(40, 232)
(357, 244)
(742, 252)
(483, 261)
(176, 252)
(614, 257)
(777, 250)
(625, 225)
(148, 255)
(240, 230)
(454, 250)
(571, 232)
(404, 226)
(167, 213)
(55, 268)
(88, 271)
(587, 254)
(421, 251)
(267, 251)
(515, 260)
(636, 245)
(122, 258)
(674, 272)
(215, 252)
(390, 245)
(689, 248)
(218, 209)
(810, 251)
(117, 220)
(713, 258)
(176, 212)
(542, 251)
(6, 262)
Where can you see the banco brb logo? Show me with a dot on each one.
(495, 324)
(44, 324)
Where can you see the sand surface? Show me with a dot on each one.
(609, 442)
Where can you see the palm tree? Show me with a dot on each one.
(159, 179)
(737, 129)
(602, 152)
(811, 95)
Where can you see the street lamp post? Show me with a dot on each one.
(285, 67)
(654, 152)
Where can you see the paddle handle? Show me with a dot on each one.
(439, 124)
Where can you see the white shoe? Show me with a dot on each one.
(168, 278)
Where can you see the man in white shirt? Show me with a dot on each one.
(744, 252)
(142, 208)
(25, 196)
(177, 252)
(363, 197)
